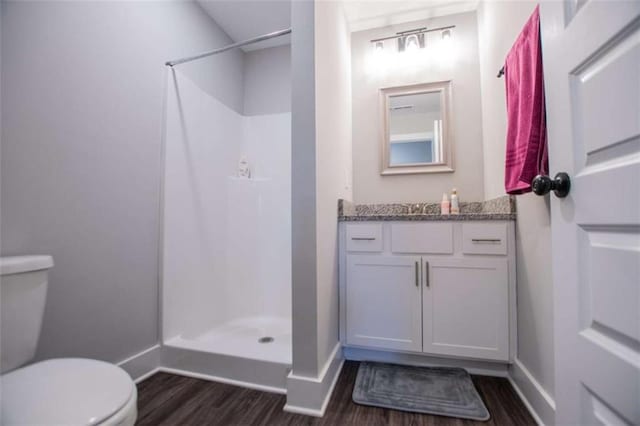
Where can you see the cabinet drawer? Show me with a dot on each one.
(427, 238)
(364, 237)
(484, 238)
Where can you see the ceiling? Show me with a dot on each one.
(366, 14)
(245, 19)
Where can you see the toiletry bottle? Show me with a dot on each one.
(445, 206)
(243, 168)
(455, 205)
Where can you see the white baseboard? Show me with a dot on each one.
(484, 368)
(537, 400)
(143, 364)
(224, 380)
(310, 395)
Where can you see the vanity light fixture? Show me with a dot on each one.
(412, 39)
(414, 42)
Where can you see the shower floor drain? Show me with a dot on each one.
(267, 339)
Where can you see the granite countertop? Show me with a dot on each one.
(502, 208)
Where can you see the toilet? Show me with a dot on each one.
(69, 391)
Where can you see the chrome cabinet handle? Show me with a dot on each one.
(486, 240)
(363, 238)
(417, 275)
(426, 275)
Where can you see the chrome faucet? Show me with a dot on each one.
(416, 209)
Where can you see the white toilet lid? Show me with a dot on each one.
(64, 391)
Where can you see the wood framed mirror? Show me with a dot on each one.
(416, 129)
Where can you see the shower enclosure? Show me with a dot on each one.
(226, 261)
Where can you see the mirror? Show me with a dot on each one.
(416, 136)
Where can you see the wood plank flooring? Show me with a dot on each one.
(167, 399)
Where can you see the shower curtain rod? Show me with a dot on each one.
(229, 47)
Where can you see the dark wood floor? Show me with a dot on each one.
(167, 399)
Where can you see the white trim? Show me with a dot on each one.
(336, 354)
(332, 386)
(147, 375)
(143, 364)
(301, 410)
(311, 395)
(484, 368)
(540, 404)
(248, 385)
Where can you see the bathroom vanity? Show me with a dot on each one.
(414, 281)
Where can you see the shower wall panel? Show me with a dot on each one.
(227, 240)
(202, 145)
(267, 145)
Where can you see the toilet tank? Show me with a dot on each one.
(23, 291)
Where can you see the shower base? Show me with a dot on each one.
(241, 337)
(233, 352)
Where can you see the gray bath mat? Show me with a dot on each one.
(440, 391)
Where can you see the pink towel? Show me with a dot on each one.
(526, 130)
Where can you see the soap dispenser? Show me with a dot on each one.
(455, 205)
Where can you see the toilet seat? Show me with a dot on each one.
(69, 391)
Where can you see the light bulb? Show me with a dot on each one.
(446, 35)
(412, 43)
(401, 43)
(379, 46)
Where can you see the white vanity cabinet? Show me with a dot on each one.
(390, 314)
(439, 288)
(466, 308)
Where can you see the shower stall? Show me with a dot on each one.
(226, 260)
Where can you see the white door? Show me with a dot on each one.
(591, 52)
(384, 307)
(466, 308)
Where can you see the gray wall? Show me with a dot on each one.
(321, 169)
(303, 191)
(82, 101)
(368, 185)
(333, 160)
(267, 81)
(499, 25)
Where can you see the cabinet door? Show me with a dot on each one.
(384, 308)
(466, 308)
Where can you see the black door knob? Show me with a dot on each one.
(560, 185)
